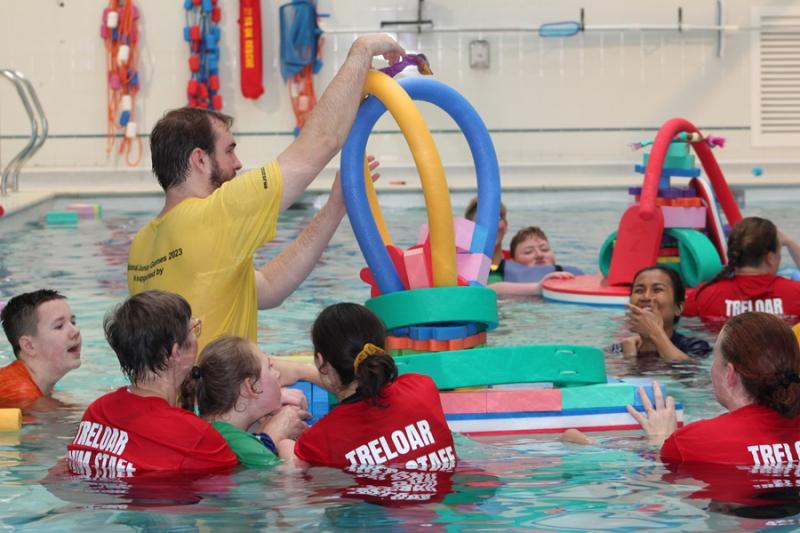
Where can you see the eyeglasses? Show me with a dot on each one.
(197, 327)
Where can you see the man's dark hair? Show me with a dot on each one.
(143, 329)
(175, 136)
(19, 316)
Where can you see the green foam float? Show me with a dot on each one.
(436, 305)
(61, 218)
(498, 365)
(699, 257)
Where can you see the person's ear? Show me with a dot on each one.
(199, 159)
(731, 376)
(319, 362)
(679, 309)
(248, 389)
(26, 344)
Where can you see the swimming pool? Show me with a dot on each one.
(508, 483)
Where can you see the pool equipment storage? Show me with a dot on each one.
(678, 227)
(119, 30)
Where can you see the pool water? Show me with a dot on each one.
(522, 482)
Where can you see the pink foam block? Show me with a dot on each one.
(417, 269)
(684, 217)
(463, 228)
(473, 267)
(501, 401)
(84, 210)
(510, 400)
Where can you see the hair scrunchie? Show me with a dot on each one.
(789, 377)
(197, 373)
(366, 351)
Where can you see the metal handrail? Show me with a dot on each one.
(38, 135)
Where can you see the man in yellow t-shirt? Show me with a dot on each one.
(202, 243)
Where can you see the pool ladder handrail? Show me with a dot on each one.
(38, 134)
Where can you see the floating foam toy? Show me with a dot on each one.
(676, 227)
(90, 211)
(517, 273)
(10, 420)
(62, 218)
(72, 213)
(435, 306)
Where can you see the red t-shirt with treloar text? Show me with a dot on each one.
(750, 435)
(409, 430)
(742, 293)
(123, 433)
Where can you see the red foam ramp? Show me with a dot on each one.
(637, 245)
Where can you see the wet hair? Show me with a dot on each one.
(765, 353)
(20, 316)
(143, 329)
(748, 243)
(339, 334)
(176, 135)
(678, 288)
(524, 234)
(472, 210)
(224, 365)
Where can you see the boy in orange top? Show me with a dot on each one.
(41, 329)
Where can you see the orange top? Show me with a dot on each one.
(17, 385)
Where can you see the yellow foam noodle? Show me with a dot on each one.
(431, 172)
(374, 207)
(10, 420)
(305, 358)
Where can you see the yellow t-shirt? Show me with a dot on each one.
(203, 250)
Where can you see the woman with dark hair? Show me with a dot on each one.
(756, 377)
(749, 282)
(381, 418)
(656, 304)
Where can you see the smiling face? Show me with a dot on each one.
(224, 163)
(652, 289)
(58, 339)
(534, 251)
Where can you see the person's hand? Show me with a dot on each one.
(294, 397)
(659, 421)
(644, 322)
(380, 44)
(285, 423)
(558, 275)
(336, 198)
(631, 345)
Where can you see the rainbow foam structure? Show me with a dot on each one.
(433, 300)
(676, 227)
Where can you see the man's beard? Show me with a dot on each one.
(216, 178)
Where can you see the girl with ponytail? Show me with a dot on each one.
(749, 282)
(381, 418)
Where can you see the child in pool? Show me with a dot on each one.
(236, 388)
(41, 329)
(656, 303)
(530, 248)
(381, 418)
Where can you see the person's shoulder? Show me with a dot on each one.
(416, 381)
(692, 346)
